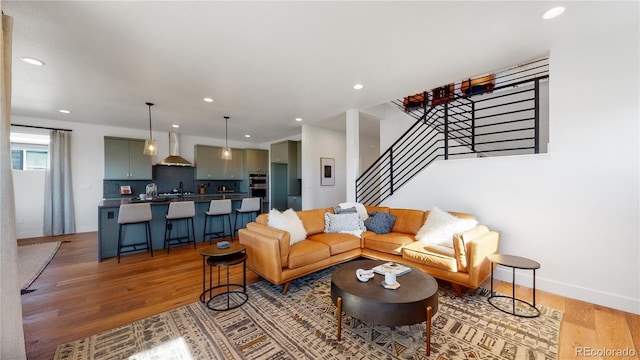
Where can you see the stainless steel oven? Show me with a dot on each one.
(258, 180)
(259, 186)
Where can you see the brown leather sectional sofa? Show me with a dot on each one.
(272, 257)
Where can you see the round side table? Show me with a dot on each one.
(228, 299)
(514, 262)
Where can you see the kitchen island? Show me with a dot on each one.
(108, 210)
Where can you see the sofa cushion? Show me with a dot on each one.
(337, 242)
(307, 252)
(383, 209)
(408, 221)
(313, 220)
(288, 221)
(440, 227)
(390, 243)
(380, 223)
(440, 257)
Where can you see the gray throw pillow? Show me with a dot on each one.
(380, 223)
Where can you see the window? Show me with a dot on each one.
(29, 151)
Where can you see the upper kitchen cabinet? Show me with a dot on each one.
(124, 160)
(257, 161)
(280, 152)
(211, 166)
(205, 163)
(233, 169)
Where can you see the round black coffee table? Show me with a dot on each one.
(415, 301)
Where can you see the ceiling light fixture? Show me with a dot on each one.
(247, 135)
(150, 147)
(555, 12)
(208, 99)
(226, 151)
(64, 111)
(358, 86)
(32, 61)
(298, 119)
(175, 126)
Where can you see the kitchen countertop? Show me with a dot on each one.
(163, 200)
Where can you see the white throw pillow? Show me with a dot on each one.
(348, 223)
(441, 226)
(288, 221)
(362, 211)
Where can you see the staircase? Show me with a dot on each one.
(500, 120)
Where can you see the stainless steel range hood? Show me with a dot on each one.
(174, 158)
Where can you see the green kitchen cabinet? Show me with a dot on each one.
(210, 165)
(294, 202)
(124, 160)
(284, 174)
(280, 152)
(206, 162)
(257, 161)
(233, 169)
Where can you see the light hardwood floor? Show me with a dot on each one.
(77, 296)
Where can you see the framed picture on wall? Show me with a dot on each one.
(327, 171)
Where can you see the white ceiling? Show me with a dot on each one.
(266, 63)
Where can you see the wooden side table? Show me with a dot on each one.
(514, 262)
(212, 256)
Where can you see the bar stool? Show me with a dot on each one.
(131, 214)
(217, 208)
(181, 210)
(248, 206)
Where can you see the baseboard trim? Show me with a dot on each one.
(595, 296)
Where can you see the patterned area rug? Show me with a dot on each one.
(302, 325)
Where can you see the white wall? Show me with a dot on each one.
(29, 190)
(369, 152)
(575, 209)
(319, 142)
(87, 161)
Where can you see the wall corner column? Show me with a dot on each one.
(353, 151)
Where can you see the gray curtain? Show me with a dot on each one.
(11, 332)
(59, 217)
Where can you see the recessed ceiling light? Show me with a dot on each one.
(32, 61)
(64, 111)
(247, 135)
(175, 126)
(208, 99)
(358, 86)
(298, 119)
(556, 11)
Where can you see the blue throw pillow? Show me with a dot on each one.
(380, 223)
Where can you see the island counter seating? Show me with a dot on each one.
(108, 220)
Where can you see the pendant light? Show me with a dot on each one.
(226, 151)
(150, 147)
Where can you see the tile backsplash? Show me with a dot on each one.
(168, 178)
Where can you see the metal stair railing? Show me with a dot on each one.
(502, 122)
